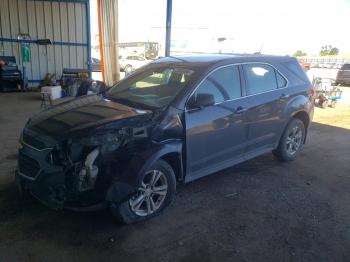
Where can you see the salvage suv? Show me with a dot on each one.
(175, 120)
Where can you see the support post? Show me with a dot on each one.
(88, 21)
(100, 39)
(168, 27)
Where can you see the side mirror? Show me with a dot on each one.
(201, 100)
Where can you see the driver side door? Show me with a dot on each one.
(216, 135)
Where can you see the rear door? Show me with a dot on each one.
(268, 96)
(216, 135)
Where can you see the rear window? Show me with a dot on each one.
(345, 67)
(296, 69)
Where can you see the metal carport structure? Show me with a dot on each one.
(66, 23)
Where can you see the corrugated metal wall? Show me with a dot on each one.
(63, 22)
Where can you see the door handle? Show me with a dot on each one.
(284, 96)
(240, 110)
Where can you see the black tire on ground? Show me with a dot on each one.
(124, 213)
(281, 151)
(333, 103)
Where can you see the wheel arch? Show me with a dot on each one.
(126, 183)
(174, 159)
(304, 117)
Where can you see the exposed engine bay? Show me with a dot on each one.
(78, 169)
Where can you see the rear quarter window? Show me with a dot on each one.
(295, 68)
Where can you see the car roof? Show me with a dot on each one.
(212, 59)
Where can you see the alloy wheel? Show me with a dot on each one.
(294, 140)
(151, 194)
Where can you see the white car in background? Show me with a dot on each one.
(131, 63)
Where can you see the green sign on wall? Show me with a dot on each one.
(25, 49)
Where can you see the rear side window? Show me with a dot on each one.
(224, 84)
(345, 67)
(261, 78)
(296, 69)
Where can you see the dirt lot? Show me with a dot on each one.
(261, 210)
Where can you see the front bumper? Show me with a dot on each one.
(53, 185)
(49, 189)
(41, 178)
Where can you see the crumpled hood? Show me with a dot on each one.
(82, 114)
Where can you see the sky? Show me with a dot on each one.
(271, 26)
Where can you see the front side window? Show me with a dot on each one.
(154, 88)
(224, 84)
(261, 78)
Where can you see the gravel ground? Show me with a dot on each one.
(261, 210)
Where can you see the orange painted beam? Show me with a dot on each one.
(100, 38)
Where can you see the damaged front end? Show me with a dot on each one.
(76, 172)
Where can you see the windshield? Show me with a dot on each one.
(154, 88)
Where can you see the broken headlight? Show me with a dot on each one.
(107, 141)
(101, 139)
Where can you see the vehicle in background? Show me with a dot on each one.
(333, 65)
(149, 50)
(131, 63)
(343, 75)
(338, 65)
(305, 65)
(95, 64)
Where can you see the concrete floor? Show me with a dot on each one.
(261, 210)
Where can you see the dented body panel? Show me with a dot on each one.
(93, 133)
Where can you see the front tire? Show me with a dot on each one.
(155, 193)
(291, 141)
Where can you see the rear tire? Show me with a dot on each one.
(152, 195)
(291, 141)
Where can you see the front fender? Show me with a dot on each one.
(125, 184)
